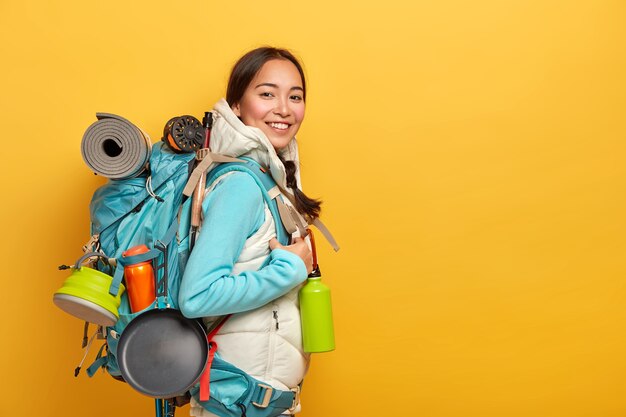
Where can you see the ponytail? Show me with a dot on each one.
(306, 206)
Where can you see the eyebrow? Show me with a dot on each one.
(276, 86)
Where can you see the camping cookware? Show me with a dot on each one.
(85, 294)
(161, 353)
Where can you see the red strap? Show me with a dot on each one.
(205, 378)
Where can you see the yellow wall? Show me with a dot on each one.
(470, 154)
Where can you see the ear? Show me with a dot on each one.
(236, 110)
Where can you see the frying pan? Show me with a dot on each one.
(161, 353)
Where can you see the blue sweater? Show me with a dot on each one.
(233, 212)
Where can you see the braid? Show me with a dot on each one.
(306, 206)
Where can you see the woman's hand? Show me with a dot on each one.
(298, 247)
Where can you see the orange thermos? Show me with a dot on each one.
(139, 279)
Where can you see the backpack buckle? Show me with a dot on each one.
(202, 153)
(266, 397)
(93, 245)
(296, 399)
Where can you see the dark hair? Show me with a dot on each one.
(240, 77)
(247, 67)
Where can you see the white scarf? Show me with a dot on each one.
(229, 136)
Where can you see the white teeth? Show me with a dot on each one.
(281, 126)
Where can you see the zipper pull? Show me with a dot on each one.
(276, 318)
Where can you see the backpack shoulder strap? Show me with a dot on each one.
(265, 182)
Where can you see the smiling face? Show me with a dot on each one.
(274, 102)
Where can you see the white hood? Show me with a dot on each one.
(229, 136)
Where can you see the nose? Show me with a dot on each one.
(282, 107)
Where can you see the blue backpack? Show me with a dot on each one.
(152, 209)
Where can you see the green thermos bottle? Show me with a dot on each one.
(316, 311)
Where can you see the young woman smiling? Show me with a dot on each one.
(237, 265)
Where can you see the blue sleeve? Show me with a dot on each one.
(233, 212)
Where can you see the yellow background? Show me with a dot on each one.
(471, 158)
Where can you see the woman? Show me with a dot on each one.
(237, 265)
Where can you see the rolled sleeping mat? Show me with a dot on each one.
(115, 148)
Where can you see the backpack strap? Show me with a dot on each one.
(205, 378)
(264, 396)
(299, 220)
(289, 218)
(265, 181)
(260, 400)
(206, 158)
(329, 237)
(100, 362)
